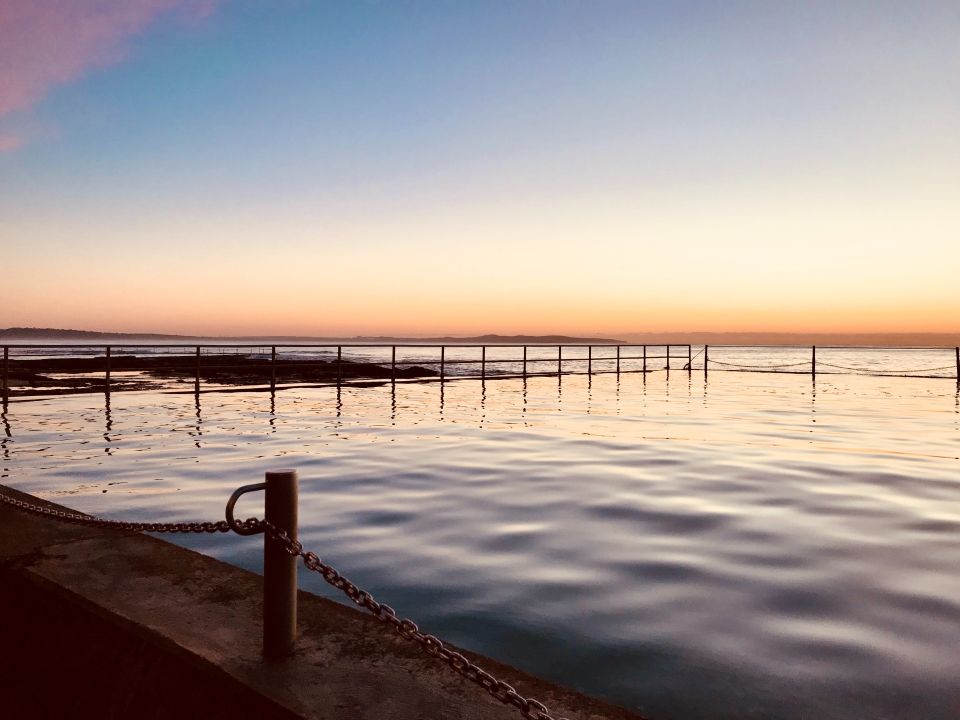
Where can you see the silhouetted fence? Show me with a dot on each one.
(301, 363)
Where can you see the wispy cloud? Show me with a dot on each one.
(44, 43)
(10, 142)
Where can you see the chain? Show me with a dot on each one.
(220, 526)
(875, 371)
(739, 365)
(408, 630)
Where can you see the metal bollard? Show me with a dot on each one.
(279, 567)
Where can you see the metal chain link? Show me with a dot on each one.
(407, 629)
(220, 526)
(529, 708)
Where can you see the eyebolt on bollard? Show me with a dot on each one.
(279, 567)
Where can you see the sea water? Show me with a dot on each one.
(732, 545)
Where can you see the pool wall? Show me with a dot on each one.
(108, 624)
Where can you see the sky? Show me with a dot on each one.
(296, 167)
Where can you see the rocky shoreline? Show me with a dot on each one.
(60, 376)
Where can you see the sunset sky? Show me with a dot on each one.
(194, 166)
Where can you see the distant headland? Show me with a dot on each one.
(40, 335)
(24, 334)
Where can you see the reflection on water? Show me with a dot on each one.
(746, 546)
(5, 440)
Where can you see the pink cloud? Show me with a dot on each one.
(45, 43)
(10, 142)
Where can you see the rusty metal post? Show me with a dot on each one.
(279, 567)
(107, 371)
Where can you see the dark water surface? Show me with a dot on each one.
(748, 546)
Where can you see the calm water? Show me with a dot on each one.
(749, 546)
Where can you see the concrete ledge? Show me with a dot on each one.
(105, 624)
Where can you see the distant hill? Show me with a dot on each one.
(499, 339)
(38, 335)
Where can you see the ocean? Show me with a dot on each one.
(687, 544)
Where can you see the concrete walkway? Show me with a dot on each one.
(98, 623)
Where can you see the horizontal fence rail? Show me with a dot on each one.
(114, 367)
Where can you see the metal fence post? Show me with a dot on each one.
(273, 367)
(279, 567)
